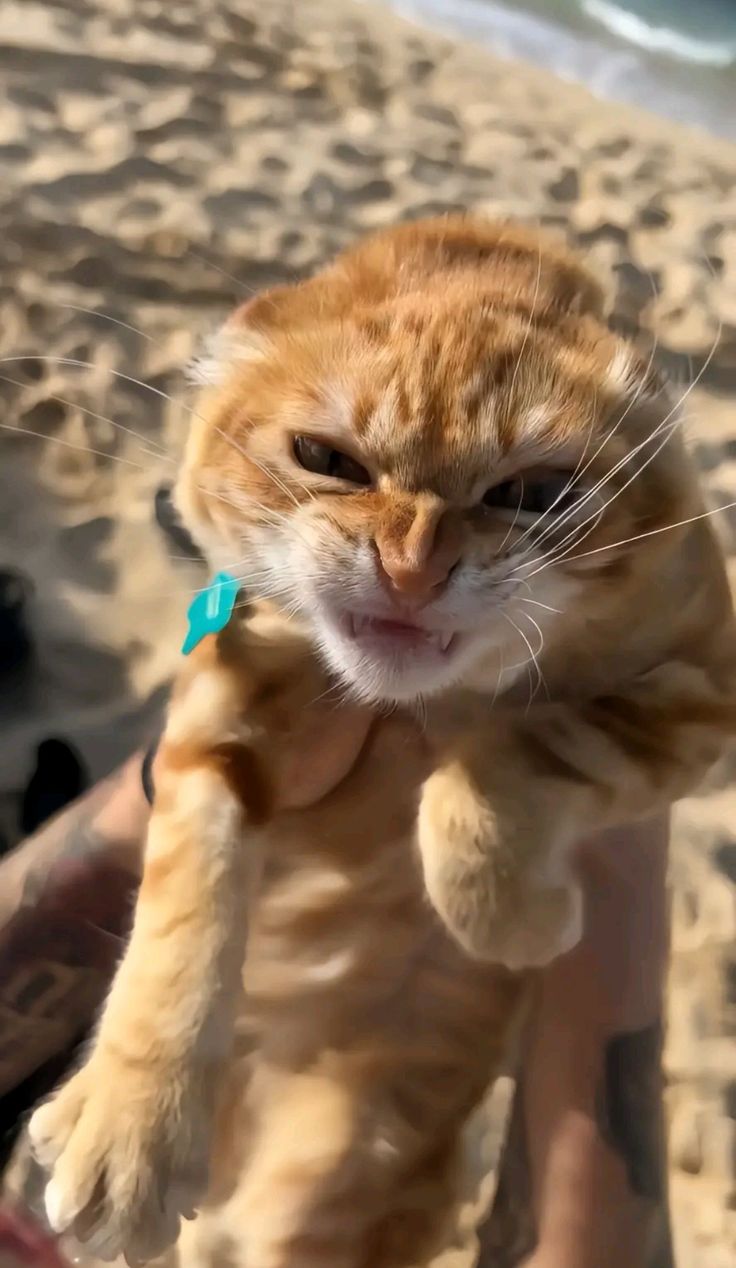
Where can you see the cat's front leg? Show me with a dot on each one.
(496, 864)
(250, 731)
(127, 1138)
(501, 814)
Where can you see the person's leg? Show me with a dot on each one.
(583, 1177)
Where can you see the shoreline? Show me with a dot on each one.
(614, 53)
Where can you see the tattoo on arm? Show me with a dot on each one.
(629, 1108)
(60, 943)
(630, 1120)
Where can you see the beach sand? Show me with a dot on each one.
(159, 164)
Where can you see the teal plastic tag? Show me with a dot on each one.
(210, 610)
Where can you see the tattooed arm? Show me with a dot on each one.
(583, 1180)
(65, 900)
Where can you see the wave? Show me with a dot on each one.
(658, 39)
(569, 38)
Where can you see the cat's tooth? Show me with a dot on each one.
(444, 641)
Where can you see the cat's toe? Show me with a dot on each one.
(122, 1177)
(52, 1124)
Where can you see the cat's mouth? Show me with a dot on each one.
(391, 636)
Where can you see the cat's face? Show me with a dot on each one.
(403, 478)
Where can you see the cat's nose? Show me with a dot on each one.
(412, 579)
(417, 548)
(417, 585)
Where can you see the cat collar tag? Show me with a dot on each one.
(210, 610)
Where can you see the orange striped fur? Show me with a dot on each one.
(451, 490)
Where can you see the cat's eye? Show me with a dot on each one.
(534, 494)
(326, 461)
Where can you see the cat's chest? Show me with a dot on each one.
(325, 921)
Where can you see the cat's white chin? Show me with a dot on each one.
(390, 660)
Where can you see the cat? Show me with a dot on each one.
(366, 1036)
(450, 490)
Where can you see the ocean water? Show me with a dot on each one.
(674, 57)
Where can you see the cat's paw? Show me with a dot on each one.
(525, 926)
(485, 879)
(528, 932)
(127, 1156)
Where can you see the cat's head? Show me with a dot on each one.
(427, 452)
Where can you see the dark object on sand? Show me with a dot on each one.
(15, 640)
(169, 520)
(59, 777)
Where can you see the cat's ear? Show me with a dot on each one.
(244, 337)
(248, 333)
(266, 312)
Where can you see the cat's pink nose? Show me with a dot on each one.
(417, 548)
(418, 585)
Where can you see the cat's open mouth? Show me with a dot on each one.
(386, 636)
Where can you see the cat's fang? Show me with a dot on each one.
(394, 634)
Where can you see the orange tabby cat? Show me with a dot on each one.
(461, 487)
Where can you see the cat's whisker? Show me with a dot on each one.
(529, 617)
(115, 321)
(305, 489)
(156, 452)
(420, 709)
(242, 501)
(652, 532)
(513, 524)
(538, 653)
(673, 412)
(570, 483)
(532, 690)
(497, 688)
(70, 444)
(532, 655)
(522, 598)
(573, 539)
(332, 688)
(261, 466)
(554, 527)
(580, 471)
(117, 374)
(251, 291)
(246, 506)
(603, 480)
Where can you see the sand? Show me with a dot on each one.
(159, 163)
